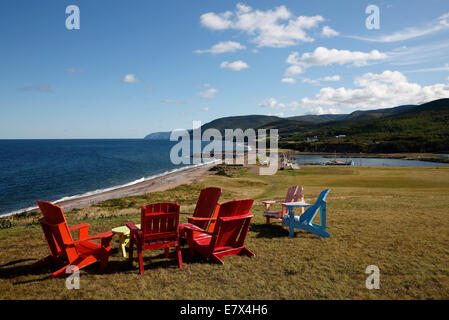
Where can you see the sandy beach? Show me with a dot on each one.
(168, 181)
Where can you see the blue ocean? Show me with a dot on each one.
(55, 170)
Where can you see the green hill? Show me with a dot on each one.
(423, 128)
(408, 128)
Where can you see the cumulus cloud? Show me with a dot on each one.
(271, 103)
(130, 78)
(329, 32)
(321, 110)
(203, 109)
(222, 47)
(208, 94)
(324, 79)
(441, 23)
(288, 80)
(235, 66)
(385, 90)
(276, 27)
(322, 56)
(173, 101)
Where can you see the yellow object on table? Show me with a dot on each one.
(123, 233)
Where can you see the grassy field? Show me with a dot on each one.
(395, 218)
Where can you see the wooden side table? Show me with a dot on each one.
(123, 233)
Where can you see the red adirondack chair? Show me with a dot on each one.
(205, 213)
(294, 194)
(159, 230)
(64, 250)
(229, 234)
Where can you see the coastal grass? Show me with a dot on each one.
(394, 218)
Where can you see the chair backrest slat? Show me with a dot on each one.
(299, 195)
(206, 204)
(311, 212)
(291, 193)
(227, 232)
(160, 220)
(56, 230)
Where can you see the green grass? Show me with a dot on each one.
(395, 218)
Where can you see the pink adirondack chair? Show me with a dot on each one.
(294, 194)
(159, 230)
(229, 234)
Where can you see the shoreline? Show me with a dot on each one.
(430, 157)
(158, 183)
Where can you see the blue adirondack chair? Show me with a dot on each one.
(305, 221)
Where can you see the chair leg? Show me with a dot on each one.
(131, 248)
(216, 259)
(139, 253)
(167, 252)
(178, 251)
(248, 252)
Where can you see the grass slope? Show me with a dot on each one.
(395, 218)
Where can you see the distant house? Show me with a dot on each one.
(340, 136)
(314, 139)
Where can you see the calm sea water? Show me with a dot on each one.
(367, 162)
(53, 170)
(56, 170)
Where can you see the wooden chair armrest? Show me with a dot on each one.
(79, 226)
(201, 219)
(132, 227)
(104, 235)
(245, 216)
(83, 230)
(189, 229)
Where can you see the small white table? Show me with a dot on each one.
(291, 211)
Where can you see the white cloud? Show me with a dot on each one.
(130, 78)
(329, 32)
(235, 66)
(322, 56)
(324, 79)
(321, 110)
(203, 109)
(293, 70)
(441, 23)
(444, 68)
(216, 21)
(208, 94)
(310, 81)
(271, 28)
(273, 103)
(331, 78)
(385, 90)
(279, 114)
(288, 80)
(173, 101)
(222, 47)
(447, 78)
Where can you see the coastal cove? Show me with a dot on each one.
(78, 173)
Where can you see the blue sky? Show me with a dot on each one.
(137, 67)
